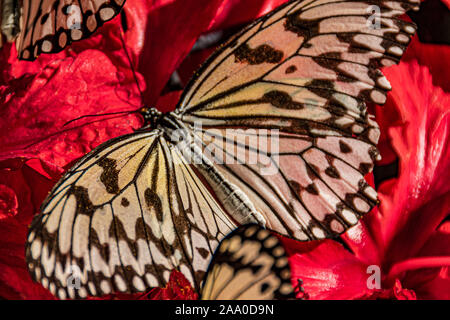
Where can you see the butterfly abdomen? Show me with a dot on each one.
(10, 19)
(234, 201)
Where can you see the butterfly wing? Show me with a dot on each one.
(49, 25)
(305, 188)
(305, 70)
(122, 219)
(326, 49)
(249, 264)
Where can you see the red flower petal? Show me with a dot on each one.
(437, 286)
(8, 202)
(178, 288)
(171, 31)
(169, 101)
(410, 204)
(403, 294)
(447, 3)
(397, 292)
(435, 57)
(433, 283)
(235, 12)
(362, 240)
(33, 115)
(30, 188)
(328, 271)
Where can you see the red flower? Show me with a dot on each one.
(178, 288)
(20, 198)
(94, 77)
(432, 56)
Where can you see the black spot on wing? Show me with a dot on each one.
(294, 24)
(291, 69)
(332, 172)
(312, 189)
(84, 204)
(203, 252)
(153, 201)
(125, 202)
(44, 18)
(264, 287)
(365, 168)
(262, 54)
(110, 175)
(344, 147)
(281, 100)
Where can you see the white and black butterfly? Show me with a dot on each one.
(249, 264)
(48, 26)
(159, 199)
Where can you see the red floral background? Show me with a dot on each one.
(407, 237)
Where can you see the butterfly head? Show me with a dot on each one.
(151, 116)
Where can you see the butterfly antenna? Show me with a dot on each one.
(124, 29)
(100, 115)
(122, 39)
(77, 127)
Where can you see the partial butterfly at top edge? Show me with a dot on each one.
(160, 199)
(48, 26)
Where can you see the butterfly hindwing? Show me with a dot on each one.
(48, 26)
(249, 264)
(306, 188)
(125, 216)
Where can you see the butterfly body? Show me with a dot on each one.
(272, 130)
(184, 138)
(10, 19)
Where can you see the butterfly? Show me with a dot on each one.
(249, 264)
(48, 26)
(273, 129)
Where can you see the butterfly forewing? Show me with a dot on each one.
(50, 25)
(306, 71)
(124, 217)
(307, 66)
(249, 264)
